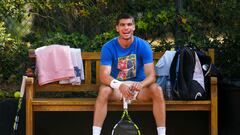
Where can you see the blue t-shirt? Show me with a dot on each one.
(127, 63)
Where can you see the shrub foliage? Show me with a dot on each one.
(89, 24)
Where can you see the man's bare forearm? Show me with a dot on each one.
(150, 75)
(148, 80)
(105, 77)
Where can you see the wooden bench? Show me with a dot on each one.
(91, 62)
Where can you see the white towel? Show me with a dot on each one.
(78, 68)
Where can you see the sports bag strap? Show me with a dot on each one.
(177, 72)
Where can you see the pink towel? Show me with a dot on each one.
(53, 63)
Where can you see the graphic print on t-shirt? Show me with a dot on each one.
(127, 67)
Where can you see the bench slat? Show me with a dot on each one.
(91, 55)
(88, 72)
(54, 87)
(87, 104)
(97, 72)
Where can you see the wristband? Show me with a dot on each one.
(115, 84)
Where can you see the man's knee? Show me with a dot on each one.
(104, 92)
(156, 91)
(155, 88)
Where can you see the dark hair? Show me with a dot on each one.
(124, 16)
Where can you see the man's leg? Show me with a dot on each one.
(105, 94)
(154, 93)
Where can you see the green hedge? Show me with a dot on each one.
(89, 24)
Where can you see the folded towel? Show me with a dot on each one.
(78, 68)
(53, 63)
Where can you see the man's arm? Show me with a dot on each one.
(106, 79)
(150, 77)
(150, 74)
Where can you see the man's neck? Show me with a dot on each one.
(125, 43)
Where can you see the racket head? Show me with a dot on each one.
(126, 126)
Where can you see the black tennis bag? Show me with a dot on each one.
(184, 87)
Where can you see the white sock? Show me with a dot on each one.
(96, 130)
(161, 130)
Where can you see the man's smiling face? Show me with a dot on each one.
(125, 28)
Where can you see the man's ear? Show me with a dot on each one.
(117, 28)
(134, 27)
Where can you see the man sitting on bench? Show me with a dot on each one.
(127, 70)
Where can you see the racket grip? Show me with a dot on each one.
(23, 86)
(125, 103)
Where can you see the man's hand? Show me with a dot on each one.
(137, 86)
(126, 91)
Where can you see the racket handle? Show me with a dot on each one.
(125, 103)
(23, 86)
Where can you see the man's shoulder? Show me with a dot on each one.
(110, 42)
(108, 47)
(141, 40)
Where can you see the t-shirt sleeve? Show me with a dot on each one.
(147, 54)
(106, 58)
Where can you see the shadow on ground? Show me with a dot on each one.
(80, 123)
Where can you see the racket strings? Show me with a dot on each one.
(126, 126)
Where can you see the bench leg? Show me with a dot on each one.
(29, 109)
(214, 123)
(29, 120)
(214, 108)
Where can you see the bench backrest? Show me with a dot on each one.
(91, 62)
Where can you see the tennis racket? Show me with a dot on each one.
(16, 121)
(125, 126)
